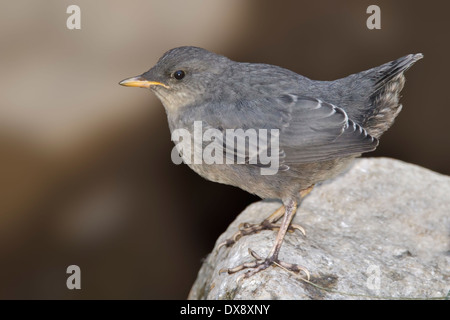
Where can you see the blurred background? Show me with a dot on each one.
(86, 176)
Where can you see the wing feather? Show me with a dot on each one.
(309, 129)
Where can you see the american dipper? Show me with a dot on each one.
(321, 126)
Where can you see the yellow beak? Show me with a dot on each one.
(140, 82)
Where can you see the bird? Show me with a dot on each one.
(320, 127)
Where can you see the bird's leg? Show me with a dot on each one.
(261, 264)
(246, 229)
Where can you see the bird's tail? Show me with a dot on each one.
(388, 71)
(387, 82)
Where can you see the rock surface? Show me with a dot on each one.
(380, 230)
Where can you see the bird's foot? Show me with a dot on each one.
(246, 229)
(261, 264)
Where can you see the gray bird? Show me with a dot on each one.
(322, 125)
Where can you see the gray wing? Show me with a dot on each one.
(308, 129)
(319, 131)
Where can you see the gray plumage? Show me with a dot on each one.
(322, 125)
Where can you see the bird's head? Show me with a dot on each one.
(181, 76)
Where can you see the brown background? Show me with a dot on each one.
(85, 170)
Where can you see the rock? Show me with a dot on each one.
(379, 230)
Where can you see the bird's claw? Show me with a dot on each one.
(294, 227)
(260, 264)
(246, 229)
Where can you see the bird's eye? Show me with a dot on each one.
(179, 74)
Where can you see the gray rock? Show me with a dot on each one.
(380, 230)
